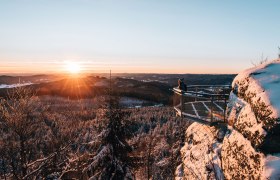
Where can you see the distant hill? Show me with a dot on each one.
(4, 79)
(150, 87)
(172, 79)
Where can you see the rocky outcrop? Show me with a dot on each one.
(201, 155)
(240, 159)
(250, 148)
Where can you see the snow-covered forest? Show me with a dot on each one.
(51, 137)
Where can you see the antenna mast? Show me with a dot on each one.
(110, 94)
(110, 81)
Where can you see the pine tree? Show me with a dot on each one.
(112, 160)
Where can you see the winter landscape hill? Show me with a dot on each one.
(74, 134)
(139, 90)
(81, 137)
(157, 144)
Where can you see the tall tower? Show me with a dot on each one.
(278, 52)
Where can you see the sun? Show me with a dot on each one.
(73, 67)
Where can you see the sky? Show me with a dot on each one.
(132, 36)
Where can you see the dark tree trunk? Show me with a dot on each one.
(23, 157)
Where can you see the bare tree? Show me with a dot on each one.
(261, 61)
(21, 133)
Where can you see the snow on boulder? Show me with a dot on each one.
(201, 154)
(251, 147)
(253, 114)
(259, 86)
(257, 117)
(240, 159)
(243, 119)
(272, 167)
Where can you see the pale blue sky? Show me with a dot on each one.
(175, 36)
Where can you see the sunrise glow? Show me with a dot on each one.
(73, 67)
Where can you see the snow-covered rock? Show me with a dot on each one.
(250, 149)
(254, 112)
(240, 159)
(201, 153)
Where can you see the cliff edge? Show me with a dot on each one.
(248, 146)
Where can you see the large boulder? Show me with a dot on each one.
(253, 114)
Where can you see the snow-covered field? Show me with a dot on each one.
(137, 103)
(131, 102)
(8, 86)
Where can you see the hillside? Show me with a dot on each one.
(8, 80)
(249, 147)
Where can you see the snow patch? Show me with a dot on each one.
(9, 86)
(272, 167)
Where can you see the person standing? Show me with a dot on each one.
(181, 84)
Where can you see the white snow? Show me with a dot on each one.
(208, 109)
(8, 86)
(131, 102)
(105, 151)
(195, 111)
(103, 83)
(219, 106)
(242, 117)
(201, 153)
(179, 173)
(269, 78)
(264, 80)
(272, 167)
